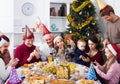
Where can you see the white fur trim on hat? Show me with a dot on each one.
(112, 49)
(1, 41)
(57, 37)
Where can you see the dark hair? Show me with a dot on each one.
(5, 38)
(107, 10)
(94, 39)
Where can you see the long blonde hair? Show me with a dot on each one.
(108, 64)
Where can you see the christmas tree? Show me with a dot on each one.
(81, 20)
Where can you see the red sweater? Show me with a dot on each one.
(22, 52)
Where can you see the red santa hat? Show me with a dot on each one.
(114, 49)
(102, 5)
(28, 34)
(2, 41)
(45, 30)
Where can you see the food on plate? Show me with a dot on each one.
(84, 81)
(56, 81)
(37, 82)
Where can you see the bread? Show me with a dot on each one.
(56, 81)
(37, 82)
(84, 81)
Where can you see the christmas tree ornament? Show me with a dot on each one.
(89, 6)
(87, 19)
(88, 28)
(93, 23)
(73, 19)
(70, 31)
(80, 13)
(94, 32)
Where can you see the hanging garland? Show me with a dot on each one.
(80, 7)
(79, 26)
(80, 36)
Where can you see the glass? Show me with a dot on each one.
(50, 58)
(72, 66)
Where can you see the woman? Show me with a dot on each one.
(27, 49)
(63, 49)
(5, 69)
(93, 52)
(110, 71)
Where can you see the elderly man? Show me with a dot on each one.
(47, 47)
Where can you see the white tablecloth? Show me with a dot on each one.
(82, 69)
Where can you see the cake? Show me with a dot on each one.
(62, 72)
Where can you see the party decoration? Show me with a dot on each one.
(91, 73)
(13, 79)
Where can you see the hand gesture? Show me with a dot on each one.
(95, 62)
(95, 67)
(13, 62)
(37, 52)
(71, 42)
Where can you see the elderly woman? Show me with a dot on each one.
(27, 52)
(5, 69)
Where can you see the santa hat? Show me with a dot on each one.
(13, 79)
(56, 38)
(45, 30)
(114, 49)
(2, 41)
(102, 5)
(28, 34)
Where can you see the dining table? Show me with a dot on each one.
(48, 69)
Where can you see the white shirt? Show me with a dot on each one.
(4, 72)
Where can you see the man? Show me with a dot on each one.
(46, 48)
(112, 24)
(6, 57)
(5, 69)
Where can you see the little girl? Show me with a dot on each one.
(110, 71)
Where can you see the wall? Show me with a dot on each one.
(6, 16)
(40, 9)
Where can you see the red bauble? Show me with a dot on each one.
(73, 19)
(88, 28)
(87, 19)
(94, 32)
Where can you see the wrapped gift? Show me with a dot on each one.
(62, 72)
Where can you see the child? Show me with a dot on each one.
(35, 53)
(110, 71)
(80, 52)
